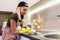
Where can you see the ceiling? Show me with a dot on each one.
(10, 5)
(40, 3)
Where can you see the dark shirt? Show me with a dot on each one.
(15, 18)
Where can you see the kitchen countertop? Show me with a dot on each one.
(31, 37)
(38, 35)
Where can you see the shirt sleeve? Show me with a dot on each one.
(14, 17)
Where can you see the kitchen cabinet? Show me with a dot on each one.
(3, 15)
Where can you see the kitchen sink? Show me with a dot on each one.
(53, 36)
(50, 35)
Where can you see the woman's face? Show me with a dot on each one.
(23, 10)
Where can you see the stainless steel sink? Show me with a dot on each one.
(52, 35)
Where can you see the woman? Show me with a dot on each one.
(9, 33)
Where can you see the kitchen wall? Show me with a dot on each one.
(51, 17)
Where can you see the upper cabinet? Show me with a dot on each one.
(4, 15)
